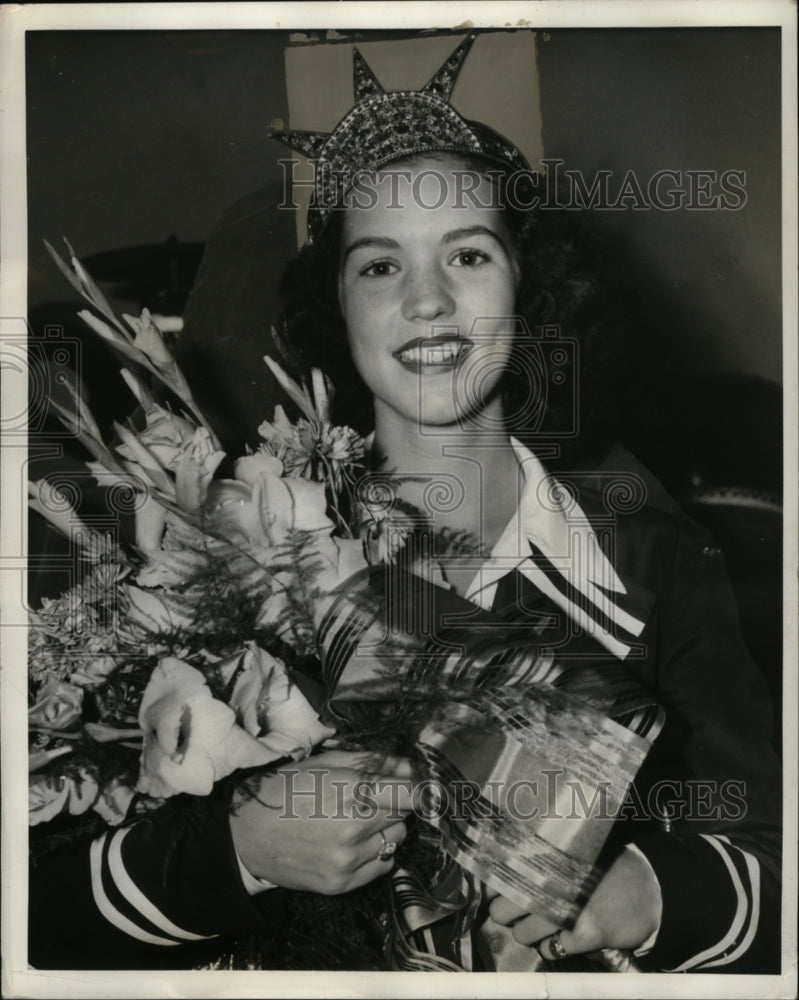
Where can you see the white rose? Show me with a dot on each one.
(58, 706)
(273, 709)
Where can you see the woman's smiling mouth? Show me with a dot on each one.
(432, 355)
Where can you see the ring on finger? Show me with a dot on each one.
(387, 849)
(554, 947)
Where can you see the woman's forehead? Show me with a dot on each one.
(440, 192)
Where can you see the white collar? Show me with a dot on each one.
(549, 520)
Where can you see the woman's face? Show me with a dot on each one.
(428, 293)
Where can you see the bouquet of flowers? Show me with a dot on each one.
(252, 620)
(162, 647)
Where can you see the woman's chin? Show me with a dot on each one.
(454, 419)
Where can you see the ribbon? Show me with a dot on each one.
(515, 693)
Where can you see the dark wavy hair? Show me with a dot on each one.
(560, 385)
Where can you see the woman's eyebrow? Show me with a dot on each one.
(384, 242)
(458, 234)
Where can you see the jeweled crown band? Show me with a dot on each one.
(384, 127)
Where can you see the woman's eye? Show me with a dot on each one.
(379, 269)
(469, 258)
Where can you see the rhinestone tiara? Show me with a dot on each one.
(385, 126)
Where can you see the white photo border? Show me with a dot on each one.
(15, 20)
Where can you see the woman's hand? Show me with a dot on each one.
(319, 825)
(622, 912)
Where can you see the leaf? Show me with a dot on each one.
(148, 463)
(158, 614)
(103, 733)
(95, 447)
(83, 410)
(90, 290)
(195, 470)
(151, 352)
(61, 514)
(146, 348)
(64, 268)
(149, 339)
(143, 395)
(172, 568)
(286, 353)
(295, 392)
(114, 338)
(321, 395)
(83, 283)
(41, 758)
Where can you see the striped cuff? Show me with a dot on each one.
(175, 876)
(122, 902)
(711, 902)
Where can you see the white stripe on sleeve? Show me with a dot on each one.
(741, 909)
(136, 897)
(105, 906)
(753, 870)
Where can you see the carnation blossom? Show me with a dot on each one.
(313, 449)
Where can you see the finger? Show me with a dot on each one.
(394, 796)
(533, 929)
(383, 800)
(371, 849)
(367, 763)
(572, 945)
(353, 760)
(389, 766)
(369, 872)
(586, 935)
(505, 912)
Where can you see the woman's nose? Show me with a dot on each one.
(427, 296)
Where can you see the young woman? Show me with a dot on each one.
(421, 293)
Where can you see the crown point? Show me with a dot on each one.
(310, 144)
(442, 83)
(364, 82)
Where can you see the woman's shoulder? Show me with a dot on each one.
(625, 499)
(623, 486)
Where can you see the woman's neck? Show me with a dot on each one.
(465, 478)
